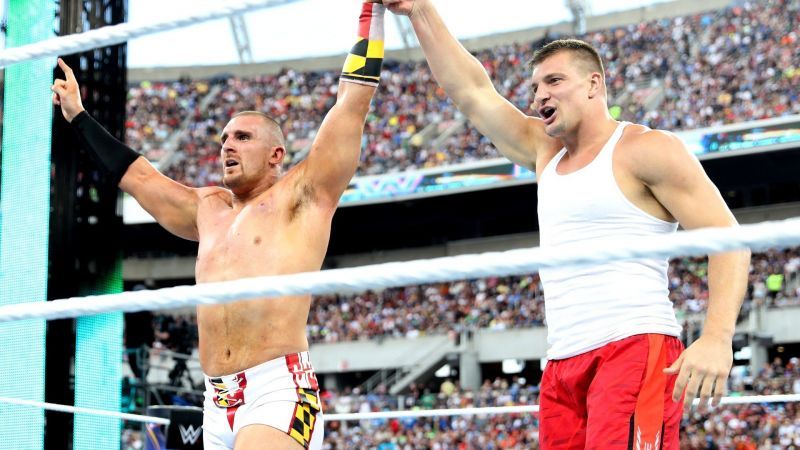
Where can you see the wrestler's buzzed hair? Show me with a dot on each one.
(272, 125)
(580, 50)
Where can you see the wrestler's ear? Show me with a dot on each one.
(595, 84)
(276, 155)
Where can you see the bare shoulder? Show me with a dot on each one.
(641, 143)
(652, 154)
(648, 140)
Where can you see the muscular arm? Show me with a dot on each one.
(334, 155)
(679, 182)
(517, 136)
(173, 205)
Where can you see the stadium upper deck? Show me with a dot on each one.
(725, 66)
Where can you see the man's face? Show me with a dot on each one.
(558, 83)
(245, 152)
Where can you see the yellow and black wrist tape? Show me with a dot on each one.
(363, 64)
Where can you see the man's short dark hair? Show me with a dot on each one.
(272, 124)
(579, 49)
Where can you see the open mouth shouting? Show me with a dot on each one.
(547, 113)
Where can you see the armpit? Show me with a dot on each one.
(304, 195)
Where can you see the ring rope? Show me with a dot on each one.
(81, 410)
(760, 236)
(733, 400)
(116, 34)
(346, 417)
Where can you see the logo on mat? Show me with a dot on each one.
(190, 435)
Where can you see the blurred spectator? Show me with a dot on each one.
(756, 426)
(733, 65)
(495, 303)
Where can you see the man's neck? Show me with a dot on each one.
(243, 198)
(591, 134)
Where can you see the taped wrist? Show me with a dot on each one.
(112, 155)
(363, 64)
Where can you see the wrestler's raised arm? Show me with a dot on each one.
(518, 136)
(172, 204)
(334, 155)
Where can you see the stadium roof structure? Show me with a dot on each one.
(327, 51)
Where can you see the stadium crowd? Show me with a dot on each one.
(745, 427)
(739, 427)
(502, 303)
(518, 302)
(496, 303)
(155, 110)
(732, 65)
(753, 426)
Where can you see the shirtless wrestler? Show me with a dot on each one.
(261, 389)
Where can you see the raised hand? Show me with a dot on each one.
(403, 7)
(67, 93)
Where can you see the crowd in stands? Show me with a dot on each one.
(732, 65)
(777, 377)
(740, 427)
(510, 302)
(716, 68)
(518, 302)
(734, 427)
(155, 110)
(496, 303)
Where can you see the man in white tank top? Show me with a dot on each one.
(617, 372)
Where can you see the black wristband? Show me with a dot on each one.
(112, 155)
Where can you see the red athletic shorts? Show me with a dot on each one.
(614, 397)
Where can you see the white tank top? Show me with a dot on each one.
(589, 307)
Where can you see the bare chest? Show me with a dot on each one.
(256, 241)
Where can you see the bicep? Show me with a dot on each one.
(516, 135)
(335, 152)
(679, 182)
(173, 205)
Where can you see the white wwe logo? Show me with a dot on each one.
(190, 435)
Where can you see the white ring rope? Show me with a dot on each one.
(528, 409)
(760, 236)
(80, 410)
(345, 417)
(116, 34)
(783, 398)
